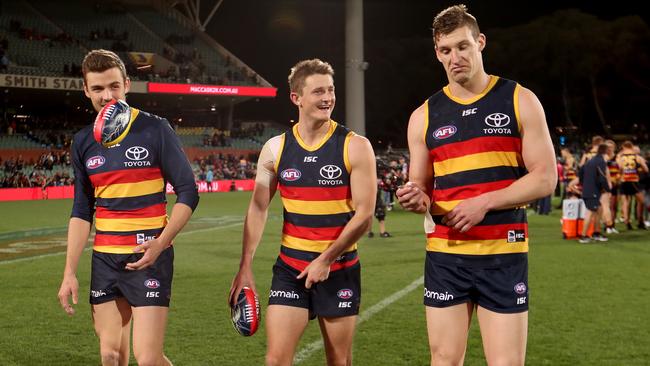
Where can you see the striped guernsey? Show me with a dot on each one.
(475, 147)
(125, 184)
(314, 183)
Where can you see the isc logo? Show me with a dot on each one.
(444, 132)
(467, 112)
(310, 159)
(153, 294)
(521, 300)
(345, 304)
(290, 174)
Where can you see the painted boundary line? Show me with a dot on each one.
(309, 349)
(182, 233)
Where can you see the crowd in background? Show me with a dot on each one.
(50, 169)
(225, 166)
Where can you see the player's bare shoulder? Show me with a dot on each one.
(360, 151)
(268, 161)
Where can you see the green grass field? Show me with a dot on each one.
(589, 303)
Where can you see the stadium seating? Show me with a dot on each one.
(46, 35)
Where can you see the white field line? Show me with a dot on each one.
(182, 233)
(309, 349)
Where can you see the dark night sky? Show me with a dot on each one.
(272, 35)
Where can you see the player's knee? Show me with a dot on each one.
(506, 360)
(149, 359)
(110, 356)
(338, 357)
(339, 361)
(444, 357)
(276, 359)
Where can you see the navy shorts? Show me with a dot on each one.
(338, 296)
(151, 286)
(592, 204)
(496, 282)
(630, 188)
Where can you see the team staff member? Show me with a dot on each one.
(326, 177)
(594, 178)
(485, 141)
(630, 162)
(123, 187)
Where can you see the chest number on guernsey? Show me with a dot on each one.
(310, 159)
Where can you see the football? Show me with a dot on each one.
(112, 123)
(245, 313)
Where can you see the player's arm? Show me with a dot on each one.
(177, 171)
(539, 159)
(83, 209)
(363, 184)
(641, 161)
(583, 159)
(266, 183)
(413, 196)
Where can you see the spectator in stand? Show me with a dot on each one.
(209, 177)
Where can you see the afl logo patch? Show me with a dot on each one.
(520, 288)
(152, 283)
(290, 174)
(345, 293)
(444, 132)
(95, 162)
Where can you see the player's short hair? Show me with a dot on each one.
(100, 61)
(453, 18)
(628, 144)
(597, 140)
(303, 69)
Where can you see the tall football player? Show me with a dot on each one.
(326, 177)
(480, 150)
(123, 187)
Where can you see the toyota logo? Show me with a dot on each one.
(330, 172)
(497, 120)
(136, 153)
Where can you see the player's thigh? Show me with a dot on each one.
(149, 326)
(284, 327)
(447, 328)
(504, 336)
(112, 322)
(338, 334)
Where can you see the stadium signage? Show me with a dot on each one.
(41, 82)
(242, 91)
(55, 83)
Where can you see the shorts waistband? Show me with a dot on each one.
(482, 261)
(299, 259)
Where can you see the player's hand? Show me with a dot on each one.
(243, 278)
(412, 198)
(316, 271)
(466, 214)
(69, 287)
(152, 250)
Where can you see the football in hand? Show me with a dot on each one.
(246, 313)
